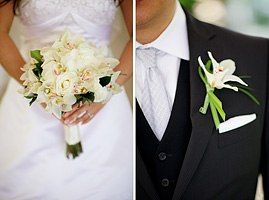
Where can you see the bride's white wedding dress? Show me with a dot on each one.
(32, 148)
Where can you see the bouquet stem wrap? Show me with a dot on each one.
(73, 141)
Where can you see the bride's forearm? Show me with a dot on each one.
(126, 60)
(126, 64)
(10, 57)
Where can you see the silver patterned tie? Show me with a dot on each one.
(155, 104)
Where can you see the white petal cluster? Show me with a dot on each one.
(222, 73)
(70, 67)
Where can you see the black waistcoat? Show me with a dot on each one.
(164, 158)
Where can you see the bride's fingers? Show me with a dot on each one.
(85, 117)
(95, 108)
(75, 115)
(84, 114)
(67, 114)
(86, 121)
(89, 114)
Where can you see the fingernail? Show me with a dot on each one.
(72, 121)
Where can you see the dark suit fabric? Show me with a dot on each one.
(215, 166)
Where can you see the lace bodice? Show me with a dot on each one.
(99, 12)
(45, 20)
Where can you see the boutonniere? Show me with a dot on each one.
(218, 76)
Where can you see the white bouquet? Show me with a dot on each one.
(69, 72)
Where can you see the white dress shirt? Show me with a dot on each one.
(173, 46)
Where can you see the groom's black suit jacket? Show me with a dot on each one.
(217, 166)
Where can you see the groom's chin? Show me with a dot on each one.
(151, 10)
(145, 11)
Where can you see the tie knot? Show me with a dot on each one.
(147, 56)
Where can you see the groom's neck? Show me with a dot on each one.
(151, 30)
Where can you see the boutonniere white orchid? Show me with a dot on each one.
(219, 75)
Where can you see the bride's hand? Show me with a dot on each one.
(82, 114)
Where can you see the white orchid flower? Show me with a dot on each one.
(57, 104)
(222, 73)
(55, 109)
(68, 41)
(28, 74)
(50, 54)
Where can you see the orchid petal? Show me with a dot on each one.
(57, 111)
(201, 62)
(203, 67)
(69, 99)
(66, 108)
(228, 65)
(233, 78)
(220, 75)
(214, 62)
(228, 87)
(209, 76)
(115, 76)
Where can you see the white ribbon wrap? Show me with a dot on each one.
(72, 134)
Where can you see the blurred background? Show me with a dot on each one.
(246, 16)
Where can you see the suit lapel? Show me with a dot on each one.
(202, 125)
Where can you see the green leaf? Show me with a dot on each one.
(30, 96)
(215, 98)
(218, 104)
(33, 100)
(38, 70)
(36, 55)
(244, 77)
(188, 4)
(208, 66)
(220, 110)
(33, 97)
(214, 114)
(87, 97)
(104, 81)
(251, 96)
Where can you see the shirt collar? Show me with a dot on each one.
(177, 29)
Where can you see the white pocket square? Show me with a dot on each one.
(236, 122)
